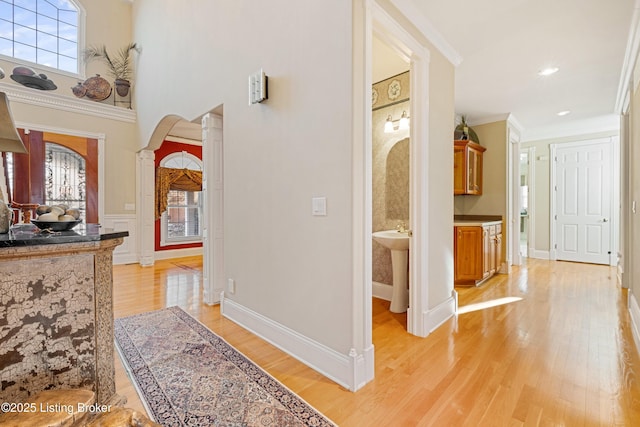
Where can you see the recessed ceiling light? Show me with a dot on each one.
(548, 71)
(564, 113)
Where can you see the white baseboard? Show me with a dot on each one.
(351, 371)
(634, 313)
(177, 253)
(436, 316)
(540, 254)
(620, 274)
(382, 291)
(127, 252)
(505, 268)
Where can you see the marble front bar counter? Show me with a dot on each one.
(56, 312)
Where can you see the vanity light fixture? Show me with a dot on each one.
(548, 71)
(388, 125)
(564, 113)
(403, 123)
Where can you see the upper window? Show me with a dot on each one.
(44, 32)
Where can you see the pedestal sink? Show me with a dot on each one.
(398, 243)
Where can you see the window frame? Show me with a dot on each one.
(165, 240)
(80, 70)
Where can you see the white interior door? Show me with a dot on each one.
(583, 191)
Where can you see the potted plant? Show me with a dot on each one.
(464, 131)
(118, 66)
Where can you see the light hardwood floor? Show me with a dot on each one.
(561, 355)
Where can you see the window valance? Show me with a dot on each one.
(168, 179)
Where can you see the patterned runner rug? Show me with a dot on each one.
(189, 376)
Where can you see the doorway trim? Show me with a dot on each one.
(531, 200)
(83, 134)
(513, 255)
(419, 319)
(213, 225)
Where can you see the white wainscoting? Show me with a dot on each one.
(127, 252)
(177, 253)
(348, 370)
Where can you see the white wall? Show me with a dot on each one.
(632, 267)
(542, 165)
(288, 265)
(440, 178)
(107, 23)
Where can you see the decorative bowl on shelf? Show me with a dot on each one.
(55, 225)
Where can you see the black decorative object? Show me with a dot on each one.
(27, 77)
(55, 225)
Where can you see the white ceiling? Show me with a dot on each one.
(503, 45)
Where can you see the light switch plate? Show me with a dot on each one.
(258, 87)
(319, 206)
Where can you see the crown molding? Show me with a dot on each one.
(515, 124)
(426, 27)
(490, 119)
(630, 58)
(59, 102)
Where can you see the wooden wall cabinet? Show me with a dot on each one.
(477, 253)
(467, 167)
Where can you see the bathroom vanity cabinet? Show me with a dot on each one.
(477, 251)
(467, 167)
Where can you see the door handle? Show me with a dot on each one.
(605, 220)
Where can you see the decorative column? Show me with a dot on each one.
(213, 191)
(146, 201)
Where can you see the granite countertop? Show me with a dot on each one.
(30, 235)
(476, 220)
